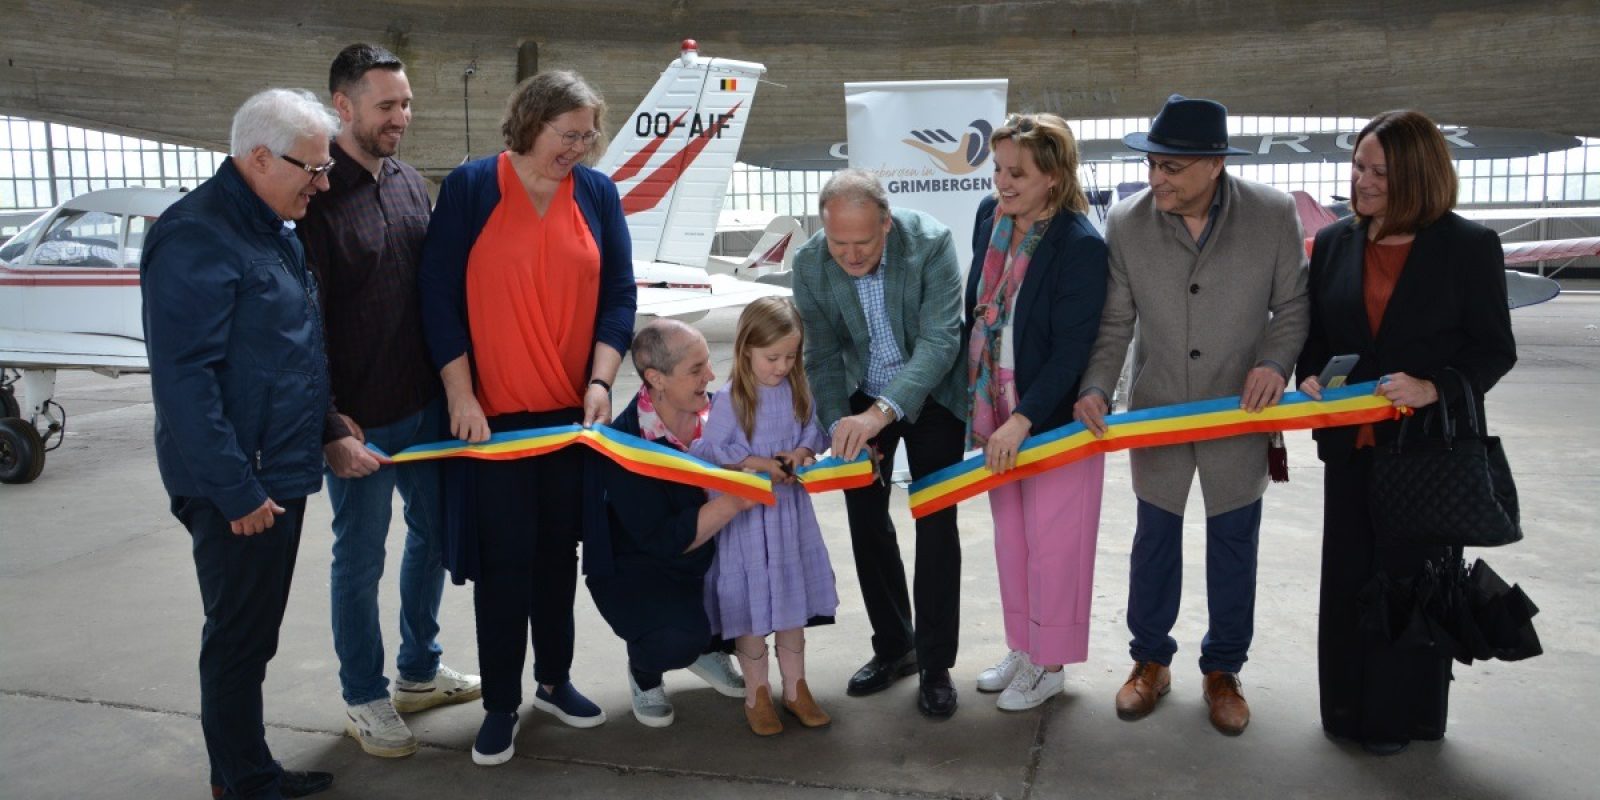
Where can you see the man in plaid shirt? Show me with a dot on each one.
(363, 239)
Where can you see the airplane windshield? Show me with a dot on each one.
(11, 252)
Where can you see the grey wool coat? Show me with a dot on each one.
(922, 294)
(1205, 318)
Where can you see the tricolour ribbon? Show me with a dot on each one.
(1151, 427)
(641, 457)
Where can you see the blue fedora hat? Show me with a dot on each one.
(1187, 127)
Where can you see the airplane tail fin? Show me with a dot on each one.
(1313, 215)
(772, 255)
(674, 155)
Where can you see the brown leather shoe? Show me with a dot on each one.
(1147, 683)
(763, 718)
(1229, 712)
(805, 708)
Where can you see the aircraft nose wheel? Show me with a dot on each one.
(21, 451)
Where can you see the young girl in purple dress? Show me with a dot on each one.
(771, 573)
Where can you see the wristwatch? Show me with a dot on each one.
(888, 410)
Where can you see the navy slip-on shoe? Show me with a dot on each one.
(497, 736)
(569, 706)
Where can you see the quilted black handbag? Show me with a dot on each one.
(1453, 488)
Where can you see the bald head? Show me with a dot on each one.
(661, 344)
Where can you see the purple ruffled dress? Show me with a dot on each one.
(771, 572)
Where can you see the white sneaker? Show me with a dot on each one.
(717, 670)
(998, 677)
(1032, 686)
(447, 686)
(651, 708)
(379, 730)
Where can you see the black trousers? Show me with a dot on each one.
(244, 585)
(529, 521)
(1369, 689)
(933, 442)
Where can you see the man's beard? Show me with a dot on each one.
(370, 143)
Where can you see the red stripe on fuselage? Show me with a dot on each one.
(69, 283)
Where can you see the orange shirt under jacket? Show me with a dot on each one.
(1380, 271)
(533, 289)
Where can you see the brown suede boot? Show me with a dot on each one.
(1229, 712)
(763, 717)
(1148, 683)
(805, 708)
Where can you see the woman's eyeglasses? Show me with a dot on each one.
(570, 138)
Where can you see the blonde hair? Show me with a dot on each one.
(1049, 140)
(765, 322)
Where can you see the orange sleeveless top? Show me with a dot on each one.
(533, 288)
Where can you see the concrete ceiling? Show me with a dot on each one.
(175, 70)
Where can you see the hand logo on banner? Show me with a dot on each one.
(970, 153)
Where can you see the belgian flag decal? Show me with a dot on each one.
(730, 84)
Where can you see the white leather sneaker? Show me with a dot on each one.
(379, 730)
(1032, 686)
(998, 677)
(447, 686)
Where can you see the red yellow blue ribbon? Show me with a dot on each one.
(641, 457)
(1151, 427)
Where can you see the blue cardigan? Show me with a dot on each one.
(466, 200)
(1057, 312)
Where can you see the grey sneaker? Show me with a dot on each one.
(651, 708)
(379, 730)
(717, 670)
(447, 686)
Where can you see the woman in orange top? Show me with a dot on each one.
(528, 302)
(1415, 290)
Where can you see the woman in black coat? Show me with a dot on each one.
(1418, 293)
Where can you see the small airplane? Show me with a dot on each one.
(69, 281)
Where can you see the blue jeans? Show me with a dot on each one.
(361, 512)
(1155, 584)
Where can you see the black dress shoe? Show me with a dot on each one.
(1384, 747)
(291, 783)
(877, 674)
(937, 697)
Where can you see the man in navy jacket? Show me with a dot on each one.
(240, 383)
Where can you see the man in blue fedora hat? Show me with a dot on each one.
(1211, 269)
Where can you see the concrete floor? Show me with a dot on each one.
(101, 620)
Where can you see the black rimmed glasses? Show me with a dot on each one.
(314, 172)
(570, 138)
(1168, 168)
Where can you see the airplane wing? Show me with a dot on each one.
(42, 350)
(1551, 250)
(688, 293)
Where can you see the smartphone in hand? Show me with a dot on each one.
(1337, 371)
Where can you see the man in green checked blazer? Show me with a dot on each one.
(879, 291)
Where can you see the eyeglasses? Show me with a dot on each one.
(570, 138)
(1168, 168)
(1022, 125)
(314, 172)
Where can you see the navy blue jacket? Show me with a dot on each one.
(466, 200)
(234, 335)
(467, 197)
(1057, 312)
(651, 582)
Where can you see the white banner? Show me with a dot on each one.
(928, 142)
